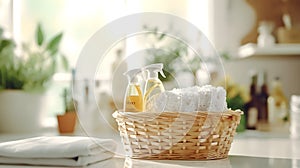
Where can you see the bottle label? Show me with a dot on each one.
(252, 117)
(134, 104)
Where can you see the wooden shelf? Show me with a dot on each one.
(252, 49)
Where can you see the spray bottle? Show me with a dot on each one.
(153, 86)
(133, 101)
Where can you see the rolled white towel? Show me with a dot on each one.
(218, 100)
(57, 151)
(205, 98)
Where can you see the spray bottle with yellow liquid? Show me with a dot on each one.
(153, 86)
(133, 101)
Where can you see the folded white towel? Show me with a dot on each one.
(57, 151)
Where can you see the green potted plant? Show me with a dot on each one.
(24, 78)
(236, 98)
(67, 121)
(175, 55)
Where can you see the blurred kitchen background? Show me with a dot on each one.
(257, 41)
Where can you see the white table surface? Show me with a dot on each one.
(249, 149)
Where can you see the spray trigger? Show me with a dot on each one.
(162, 73)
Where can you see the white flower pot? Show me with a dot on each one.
(21, 112)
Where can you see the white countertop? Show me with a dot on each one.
(249, 149)
(273, 148)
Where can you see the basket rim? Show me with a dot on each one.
(139, 114)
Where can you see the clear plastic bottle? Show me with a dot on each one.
(153, 86)
(295, 117)
(278, 104)
(133, 101)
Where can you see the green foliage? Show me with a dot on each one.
(173, 53)
(53, 45)
(69, 103)
(236, 98)
(236, 95)
(39, 35)
(34, 69)
(235, 102)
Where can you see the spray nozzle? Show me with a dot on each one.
(154, 69)
(133, 75)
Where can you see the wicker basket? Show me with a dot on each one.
(177, 135)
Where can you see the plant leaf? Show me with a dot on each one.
(54, 43)
(65, 62)
(161, 36)
(6, 43)
(39, 35)
(1, 32)
(53, 52)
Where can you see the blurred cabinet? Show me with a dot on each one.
(272, 10)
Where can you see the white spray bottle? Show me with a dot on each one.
(153, 86)
(133, 101)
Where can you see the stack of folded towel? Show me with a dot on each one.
(196, 98)
(57, 151)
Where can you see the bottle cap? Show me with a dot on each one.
(154, 69)
(133, 75)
